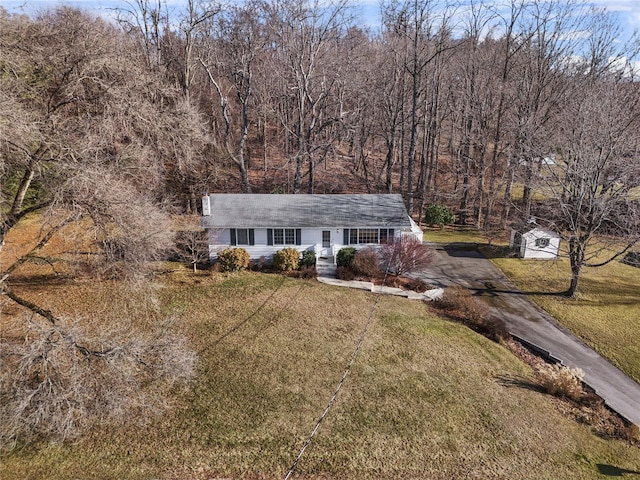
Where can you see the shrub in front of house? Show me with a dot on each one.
(366, 263)
(406, 254)
(308, 258)
(345, 273)
(345, 256)
(233, 259)
(262, 264)
(286, 259)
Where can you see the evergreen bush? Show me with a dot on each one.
(233, 259)
(439, 215)
(286, 259)
(345, 256)
(308, 258)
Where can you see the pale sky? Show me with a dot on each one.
(627, 11)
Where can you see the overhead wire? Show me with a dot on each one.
(354, 356)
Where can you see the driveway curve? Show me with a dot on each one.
(464, 265)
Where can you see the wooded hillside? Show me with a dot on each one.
(475, 107)
(501, 112)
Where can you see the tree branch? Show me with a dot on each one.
(618, 254)
(25, 258)
(31, 306)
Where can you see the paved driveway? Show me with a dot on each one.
(460, 264)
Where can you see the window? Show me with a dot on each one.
(355, 236)
(242, 236)
(289, 236)
(542, 242)
(368, 235)
(284, 236)
(386, 235)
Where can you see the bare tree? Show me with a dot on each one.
(406, 254)
(192, 243)
(308, 34)
(540, 87)
(417, 24)
(473, 109)
(234, 45)
(59, 377)
(596, 171)
(390, 82)
(146, 21)
(90, 159)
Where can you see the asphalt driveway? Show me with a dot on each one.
(462, 264)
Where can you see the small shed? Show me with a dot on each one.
(536, 243)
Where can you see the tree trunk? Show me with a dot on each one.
(389, 165)
(506, 199)
(575, 278)
(576, 258)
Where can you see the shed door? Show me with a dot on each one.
(517, 243)
(326, 238)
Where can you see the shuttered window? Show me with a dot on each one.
(284, 236)
(242, 236)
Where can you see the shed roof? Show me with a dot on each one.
(305, 211)
(539, 232)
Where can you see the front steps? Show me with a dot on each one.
(326, 267)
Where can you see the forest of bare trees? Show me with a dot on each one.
(502, 111)
(442, 103)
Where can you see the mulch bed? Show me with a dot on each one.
(589, 410)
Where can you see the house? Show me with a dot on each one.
(535, 243)
(265, 223)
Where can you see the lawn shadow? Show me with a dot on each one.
(496, 251)
(33, 280)
(615, 292)
(492, 291)
(253, 314)
(613, 471)
(519, 382)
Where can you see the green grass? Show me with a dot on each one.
(605, 313)
(452, 234)
(427, 398)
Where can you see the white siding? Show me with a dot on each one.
(311, 240)
(529, 249)
(219, 236)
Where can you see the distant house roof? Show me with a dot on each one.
(304, 211)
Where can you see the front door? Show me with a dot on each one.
(326, 238)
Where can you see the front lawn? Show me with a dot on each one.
(427, 398)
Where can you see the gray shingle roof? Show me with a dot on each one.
(305, 211)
